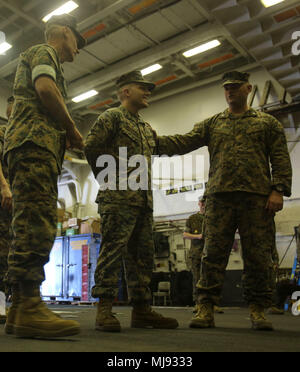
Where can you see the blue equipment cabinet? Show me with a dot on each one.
(71, 267)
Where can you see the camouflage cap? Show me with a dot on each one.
(69, 21)
(235, 77)
(134, 77)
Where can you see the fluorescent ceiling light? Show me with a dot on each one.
(151, 69)
(85, 96)
(202, 48)
(267, 3)
(4, 47)
(64, 9)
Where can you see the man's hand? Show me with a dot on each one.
(275, 202)
(192, 236)
(74, 139)
(6, 202)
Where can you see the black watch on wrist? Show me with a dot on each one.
(279, 188)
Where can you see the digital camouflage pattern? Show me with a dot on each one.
(33, 176)
(126, 214)
(126, 235)
(224, 214)
(30, 121)
(4, 166)
(194, 225)
(114, 129)
(240, 149)
(5, 220)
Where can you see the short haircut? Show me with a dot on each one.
(52, 30)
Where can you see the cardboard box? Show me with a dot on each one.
(90, 226)
(74, 222)
(65, 225)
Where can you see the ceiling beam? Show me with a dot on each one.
(10, 67)
(104, 13)
(147, 57)
(22, 14)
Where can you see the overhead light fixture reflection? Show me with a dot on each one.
(201, 48)
(4, 47)
(85, 96)
(150, 69)
(268, 3)
(64, 9)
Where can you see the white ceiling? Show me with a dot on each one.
(124, 35)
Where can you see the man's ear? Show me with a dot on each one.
(126, 91)
(66, 31)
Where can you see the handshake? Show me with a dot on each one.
(74, 139)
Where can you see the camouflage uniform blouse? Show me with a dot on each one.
(194, 225)
(30, 121)
(122, 135)
(241, 149)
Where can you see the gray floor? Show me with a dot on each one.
(232, 333)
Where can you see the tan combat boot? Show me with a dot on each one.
(12, 313)
(204, 317)
(105, 320)
(142, 316)
(34, 319)
(258, 319)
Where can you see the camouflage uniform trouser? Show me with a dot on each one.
(225, 213)
(195, 256)
(33, 178)
(5, 220)
(127, 236)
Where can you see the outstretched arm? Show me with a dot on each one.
(180, 144)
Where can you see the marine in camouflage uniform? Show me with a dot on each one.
(126, 211)
(194, 226)
(34, 149)
(130, 210)
(240, 194)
